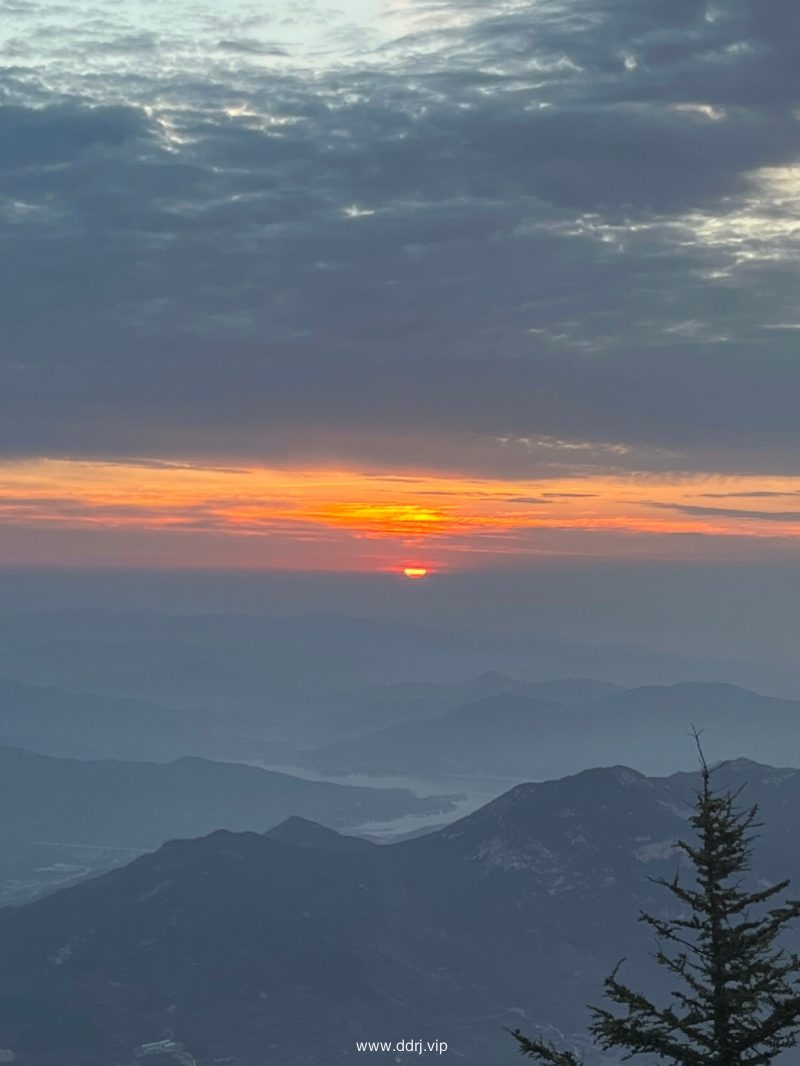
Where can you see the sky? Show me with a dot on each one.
(354, 287)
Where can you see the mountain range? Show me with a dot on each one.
(519, 735)
(291, 946)
(283, 666)
(55, 721)
(63, 818)
(85, 725)
(383, 706)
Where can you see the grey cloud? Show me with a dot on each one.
(765, 494)
(62, 134)
(732, 512)
(252, 47)
(231, 254)
(737, 52)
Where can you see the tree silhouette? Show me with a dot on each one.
(738, 1003)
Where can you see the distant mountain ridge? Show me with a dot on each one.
(240, 662)
(224, 662)
(414, 701)
(85, 725)
(290, 946)
(521, 736)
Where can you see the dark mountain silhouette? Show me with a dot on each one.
(304, 833)
(290, 947)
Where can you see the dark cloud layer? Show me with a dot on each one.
(550, 222)
(733, 512)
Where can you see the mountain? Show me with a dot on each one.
(304, 833)
(252, 664)
(380, 707)
(501, 735)
(524, 737)
(652, 722)
(52, 721)
(61, 818)
(282, 668)
(289, 947)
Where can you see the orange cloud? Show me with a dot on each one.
(346, 518)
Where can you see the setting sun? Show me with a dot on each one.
(416, 573)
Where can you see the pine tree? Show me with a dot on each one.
(738, 1000)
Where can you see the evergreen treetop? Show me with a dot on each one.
(738, 1000)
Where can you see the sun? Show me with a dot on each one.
(416, 573)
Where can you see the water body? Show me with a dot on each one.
(468, 793)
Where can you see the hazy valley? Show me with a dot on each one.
(293, 945)
(235, 925)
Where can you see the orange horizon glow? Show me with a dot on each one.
(317, 518)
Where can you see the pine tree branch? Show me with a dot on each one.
(544, 1051)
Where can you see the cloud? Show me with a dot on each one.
(252, 47)
(33, 139)
(568, 495)
(758, 494)
(560, 222)
(732, 512)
